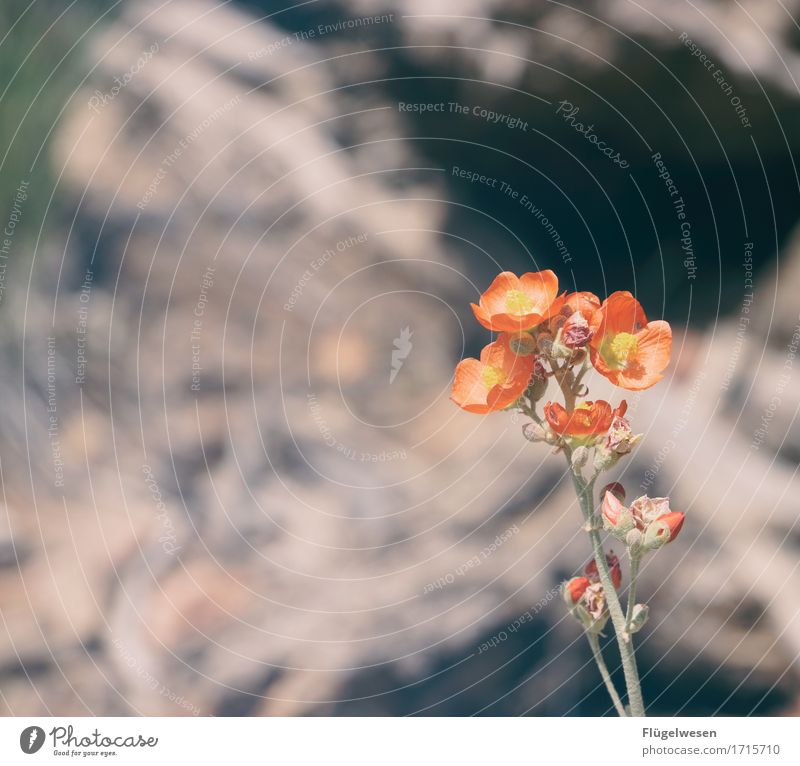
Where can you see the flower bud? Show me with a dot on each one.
(616, 517)
(537, 387)
(634, 539)
(533, 432)
(616, 489)
(663, 530)
(580, 456)
(545, 343)
(522, 344)
(639, 617)
(574, 589)
(558, 350)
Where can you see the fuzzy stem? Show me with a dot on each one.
(624, 639)
(594, 642)
(636, 559)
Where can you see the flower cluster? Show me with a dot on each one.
(585, 596)
(644, 526)
(545, 336)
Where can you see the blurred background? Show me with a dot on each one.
(223, 495)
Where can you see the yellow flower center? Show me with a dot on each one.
(518, 303)
(617, 350)
(492, 376)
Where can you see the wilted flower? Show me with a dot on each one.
(574, 589)
(576, 331)
(619, 441)
(587, 603)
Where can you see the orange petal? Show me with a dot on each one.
(556, 416)
(493, 301)
(584, 303)
(651, 359)
(620, 312)
(468, 390)
(482, 316)
(541, 287)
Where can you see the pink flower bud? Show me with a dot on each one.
(663, 530)
(615, 488)
(616, 516)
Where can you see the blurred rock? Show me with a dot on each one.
(253, 518)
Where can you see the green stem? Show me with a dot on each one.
(624, 639)
(594, 642)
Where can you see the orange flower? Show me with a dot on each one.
(512, 303)
(584, 303)
(494, 382)
(587, 419)
(625, 348)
